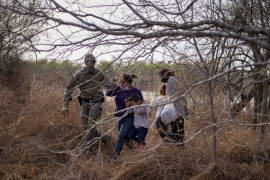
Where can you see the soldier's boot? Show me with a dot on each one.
(94, 133)
(91, 134)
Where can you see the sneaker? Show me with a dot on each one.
(138, 145)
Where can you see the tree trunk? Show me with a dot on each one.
(261, 98)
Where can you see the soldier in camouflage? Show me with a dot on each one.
(90, 81)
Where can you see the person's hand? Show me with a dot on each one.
(115, 80)
(65, 109)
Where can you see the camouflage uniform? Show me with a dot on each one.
(90, 82)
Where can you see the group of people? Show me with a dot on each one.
(132, 115)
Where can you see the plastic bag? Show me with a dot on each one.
(168, 114)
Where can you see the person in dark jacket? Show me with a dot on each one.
(122, 91)
(90, 81)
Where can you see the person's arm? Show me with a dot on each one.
(140, 94)
(154, 102)
(71, 86)
(112, 90)
(173, 88)
(104, 81)
(68, 92)
(141, 110)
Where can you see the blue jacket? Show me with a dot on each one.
(120, 96)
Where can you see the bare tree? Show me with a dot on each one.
(218, 36)
(17, 33)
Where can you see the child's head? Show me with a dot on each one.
(162, 90)
(127, 80)
(133, 100)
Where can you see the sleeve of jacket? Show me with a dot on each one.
(140, 94)
(173, 88)
(112, 90)
(106, 82)
(71, 86)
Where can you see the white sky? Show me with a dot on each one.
(77, 56)
(53, 36)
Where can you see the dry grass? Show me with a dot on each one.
(41, 144)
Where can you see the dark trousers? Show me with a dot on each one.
(125, 125)
(138, 134)
(177, 134)
(90, 113)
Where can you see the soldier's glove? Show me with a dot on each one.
(65, 108)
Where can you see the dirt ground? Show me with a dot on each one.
(37, 142)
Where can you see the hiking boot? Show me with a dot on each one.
(140, 145)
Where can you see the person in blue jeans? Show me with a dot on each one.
(141, 123)
(122, 90)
